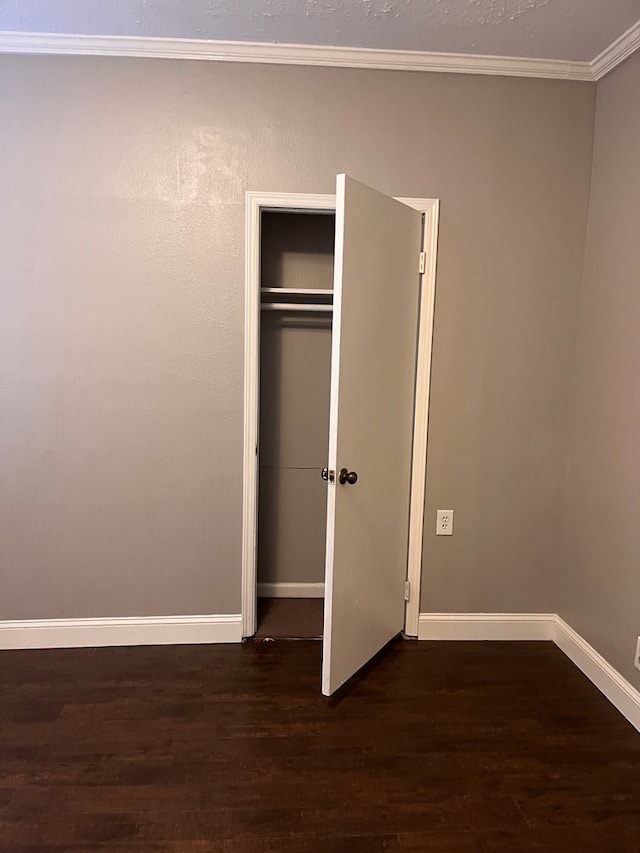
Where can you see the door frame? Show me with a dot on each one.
(256, 203)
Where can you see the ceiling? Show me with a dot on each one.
(575, 30)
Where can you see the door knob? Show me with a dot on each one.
(346, 476)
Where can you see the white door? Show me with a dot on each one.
(374, 341)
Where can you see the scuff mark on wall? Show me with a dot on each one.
(208, 165)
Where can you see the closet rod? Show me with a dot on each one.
(297, 291)
(296, 306)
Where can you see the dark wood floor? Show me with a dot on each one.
(440, 747)
(290, 618)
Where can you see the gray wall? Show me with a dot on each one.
(599, 591)
(121, 323)
(295, 374)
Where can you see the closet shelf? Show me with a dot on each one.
(296, 306)
(296, 291)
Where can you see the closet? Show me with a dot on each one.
(296, 282)
(336, 396)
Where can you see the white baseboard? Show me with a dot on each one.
(125, 631)
(538, 626)
(608, 680)
(290, 590)
(163, 630)
(486, 626)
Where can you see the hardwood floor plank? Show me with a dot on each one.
(443, 842)
(339, 844)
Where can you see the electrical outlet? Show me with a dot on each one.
(637, 660)
(444, 522)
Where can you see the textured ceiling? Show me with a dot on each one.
(555, 29)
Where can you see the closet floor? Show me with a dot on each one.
(290, 618)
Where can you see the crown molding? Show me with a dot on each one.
(291, 54)
(617, 52)
(320, 55)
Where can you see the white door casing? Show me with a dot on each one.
(256, 202)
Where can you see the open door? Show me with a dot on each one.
(374, 341)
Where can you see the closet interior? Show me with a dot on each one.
(296, 283)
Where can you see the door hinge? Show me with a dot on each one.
(407, 590)
(422, 265)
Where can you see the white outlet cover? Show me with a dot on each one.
(444, 522)
(637, 660)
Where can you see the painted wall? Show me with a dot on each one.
(121, 323)
(600, 579)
